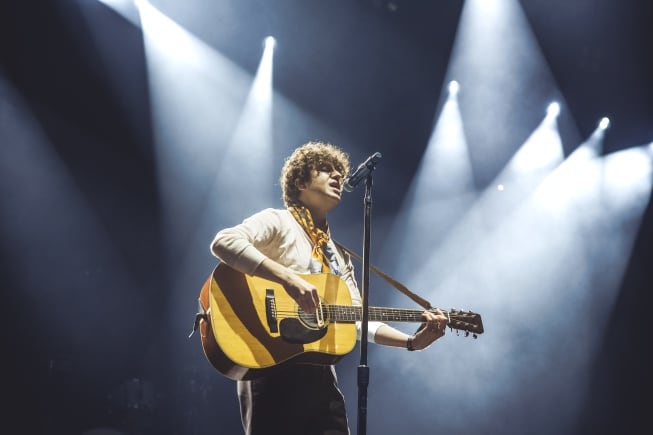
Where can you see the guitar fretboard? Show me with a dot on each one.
(349, 313)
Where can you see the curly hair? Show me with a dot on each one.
(303, 161)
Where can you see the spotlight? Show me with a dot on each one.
(270, 42)
(453, 88)
(604, 123)
(553, 110)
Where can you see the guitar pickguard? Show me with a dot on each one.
(294, 331)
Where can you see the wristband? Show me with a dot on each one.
(409, 343)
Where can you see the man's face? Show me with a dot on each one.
(324, 189)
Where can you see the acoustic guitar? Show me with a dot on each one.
(250, 326)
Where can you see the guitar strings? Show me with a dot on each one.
(353, 313)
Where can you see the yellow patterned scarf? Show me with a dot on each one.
(319, 238)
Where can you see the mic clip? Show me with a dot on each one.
(363, 170)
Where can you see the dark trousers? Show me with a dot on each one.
(298, 399)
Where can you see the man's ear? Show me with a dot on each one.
(299, 184)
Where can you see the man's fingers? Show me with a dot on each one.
(309, 300)
(307, 304)
(436, 321)
(316, 298)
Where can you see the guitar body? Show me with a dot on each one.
(253, 327)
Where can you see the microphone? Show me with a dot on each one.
(363, 170)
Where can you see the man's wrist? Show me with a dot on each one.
(409, 343)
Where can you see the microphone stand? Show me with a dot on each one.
(363, 369)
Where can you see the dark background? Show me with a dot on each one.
(55, 381)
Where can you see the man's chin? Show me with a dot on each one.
(334, 197)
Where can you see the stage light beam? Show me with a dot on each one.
(270, 42)
(127, 8)
(553, 110)
(441, 192)
(454, 87)
(593, 146)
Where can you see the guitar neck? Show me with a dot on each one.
(348, 313)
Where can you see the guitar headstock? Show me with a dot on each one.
(465, 321)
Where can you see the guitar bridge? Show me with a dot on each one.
(271, 310)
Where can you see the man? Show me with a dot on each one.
(280, 244)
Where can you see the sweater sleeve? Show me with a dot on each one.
(240, 246)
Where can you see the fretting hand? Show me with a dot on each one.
(434, 328)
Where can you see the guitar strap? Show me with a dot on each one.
(396, 284)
